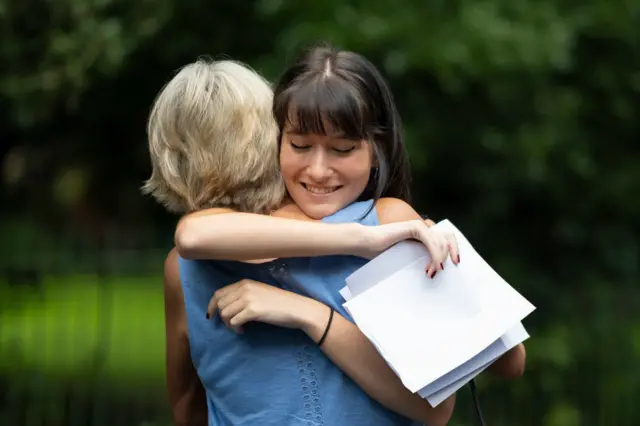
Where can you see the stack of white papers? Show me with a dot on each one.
(436, 334)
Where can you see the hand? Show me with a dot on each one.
(445, 245)
(248, 300)
(439, 244)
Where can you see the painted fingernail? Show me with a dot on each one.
(441, 265)
(434, 274)
(207, 316)
(458, 258)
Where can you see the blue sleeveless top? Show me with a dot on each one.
(274, 376)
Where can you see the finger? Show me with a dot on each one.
(227, 300)
(231, 311)
(211, 307)
(430, 242)
(435, 251)
(224, 296)
(214, 304)
(431, 270)
(441, 252)
(241, 318)
(231, 288)
(454, 251)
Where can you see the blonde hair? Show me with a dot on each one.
(213, 141)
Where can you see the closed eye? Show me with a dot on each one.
(299, 147)
(344, 151)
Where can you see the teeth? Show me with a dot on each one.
(321, 190)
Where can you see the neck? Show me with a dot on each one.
(290, 210)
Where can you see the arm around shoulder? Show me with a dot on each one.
(186, 394)
(226, 235)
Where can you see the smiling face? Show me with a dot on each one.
(324, 172)
(340, 133)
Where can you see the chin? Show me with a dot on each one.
(319, 211)
(317, 208)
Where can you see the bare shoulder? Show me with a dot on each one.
(391, 210)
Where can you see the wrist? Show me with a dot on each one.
(413, 228)
(312, 318)
(381, 237)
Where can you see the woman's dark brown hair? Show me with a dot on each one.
(345, 92)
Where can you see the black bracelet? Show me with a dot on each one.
(326, 330)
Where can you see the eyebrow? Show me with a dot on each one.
(294, 132)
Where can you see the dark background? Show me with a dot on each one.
(522, 120)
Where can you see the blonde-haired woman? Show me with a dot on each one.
(213, 141)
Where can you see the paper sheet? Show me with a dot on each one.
(450, 383)
(435, 334)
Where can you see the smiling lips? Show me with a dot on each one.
(321, 190)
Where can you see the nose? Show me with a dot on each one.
(319, 168)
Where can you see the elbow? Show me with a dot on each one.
(440, 415)
(187, 241)
(514, 365)
(186, 420)
(180, 421)
(444, 412)
(190, 409)
(516, 368)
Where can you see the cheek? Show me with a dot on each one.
(291, 166)
(357, 170)
(286, 163)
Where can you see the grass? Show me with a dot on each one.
(77, 327)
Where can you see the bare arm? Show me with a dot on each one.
(248, 300)
(224, 234)
(354, 354)
(186, 394)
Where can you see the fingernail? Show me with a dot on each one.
(458, 258)
(441, 265)
(433, 275)
(207, 316)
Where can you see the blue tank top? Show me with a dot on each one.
(273, 376)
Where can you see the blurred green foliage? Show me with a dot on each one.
(522, 122)
(83, 350)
